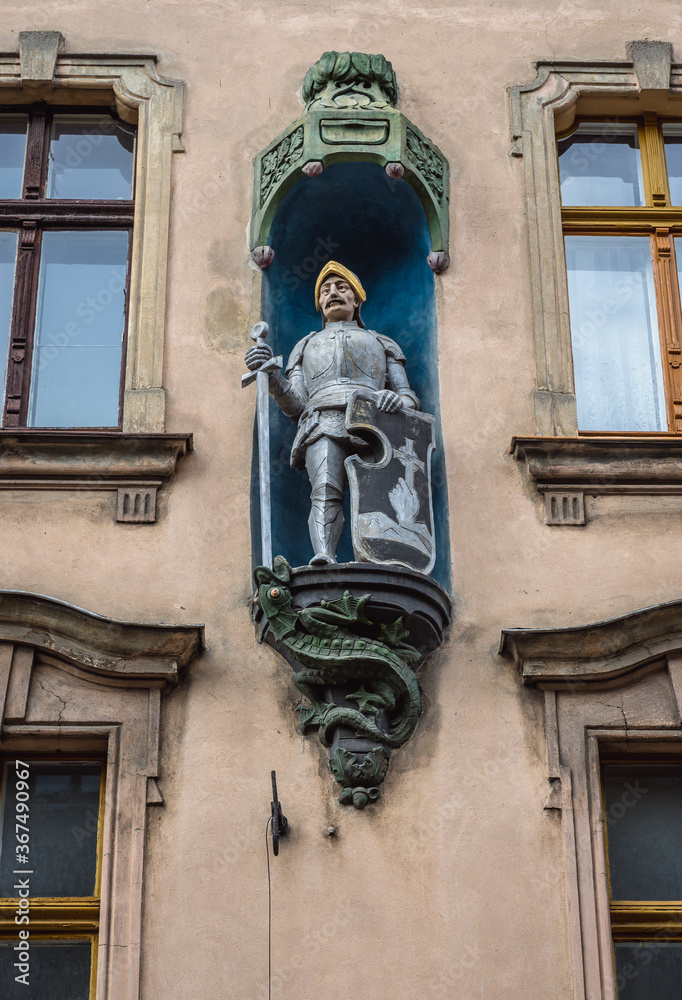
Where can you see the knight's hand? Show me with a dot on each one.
(390, 401)
(257, 356)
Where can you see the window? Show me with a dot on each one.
(643, 820)
(613, 702)
(621, 188)
(50, 873)
(607, 328)
(80, 705)
(66, 215)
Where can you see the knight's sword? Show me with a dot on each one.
(262, 376)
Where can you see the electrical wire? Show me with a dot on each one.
(267, 857)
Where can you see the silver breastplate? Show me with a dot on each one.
(344, 354)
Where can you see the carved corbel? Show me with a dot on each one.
(353, 659)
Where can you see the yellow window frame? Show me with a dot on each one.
(61, 918)
(661, 222)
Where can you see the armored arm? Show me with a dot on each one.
(396, 380)
(290, 393)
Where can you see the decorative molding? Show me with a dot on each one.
(652, 62)
(38, 55)
(136, 506)
(611, 650)
(429, 163)
(90, 460)
(538, 110)
(155, 103)
(564, 507)
(601, 464)
(78, 682)
(350, 117)
(343, 80)
(278, 161)
(95, 644)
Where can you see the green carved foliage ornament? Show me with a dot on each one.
(346, 80)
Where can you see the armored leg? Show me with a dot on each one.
(324, 461)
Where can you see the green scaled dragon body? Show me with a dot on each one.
(331, 645)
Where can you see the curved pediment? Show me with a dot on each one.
(96, 643)
(604, 651)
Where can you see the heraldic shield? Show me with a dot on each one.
(390, 499)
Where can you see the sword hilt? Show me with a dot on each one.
(259, 332)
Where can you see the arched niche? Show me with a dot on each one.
(354, 213)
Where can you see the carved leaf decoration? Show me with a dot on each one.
(424, 158)
(342, 765)
(324, 68)
(378, 64)
(277, 162)
(341, 65)
(362, 63)
(356, 70)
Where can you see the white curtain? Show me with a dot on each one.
(614, 330)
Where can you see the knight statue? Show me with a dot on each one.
(334, 376)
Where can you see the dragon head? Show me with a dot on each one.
(274, 599)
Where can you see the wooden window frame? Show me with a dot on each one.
(558, 458)
(612, 693)
(638, 920)
(77, 685)
(65, 917)
(135, 460)
(30, 216)
(661, 222)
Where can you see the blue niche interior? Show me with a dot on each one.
(355, 214)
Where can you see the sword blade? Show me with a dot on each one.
(263, 417)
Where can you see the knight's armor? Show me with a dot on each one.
(324, 370)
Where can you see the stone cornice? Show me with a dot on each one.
(87, 459)
(608, 651)
(135, 465)
(603, 463)
(98, 645)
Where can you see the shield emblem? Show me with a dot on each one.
(390, 499)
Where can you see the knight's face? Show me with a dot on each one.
(338, 301)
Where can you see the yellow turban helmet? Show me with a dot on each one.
(331, 267)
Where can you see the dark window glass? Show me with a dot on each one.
(80, 319)
(649, 970)
(600, 164)
(644, 829)
(90, 157)
(58, 970)
(8, 256)
(12, 150)
(63, 801)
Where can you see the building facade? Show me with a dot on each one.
(513, 209)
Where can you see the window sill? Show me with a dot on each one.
(565, 469)
(134, 465)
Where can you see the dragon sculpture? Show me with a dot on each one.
(335, 645)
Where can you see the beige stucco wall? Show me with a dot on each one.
(452, 885)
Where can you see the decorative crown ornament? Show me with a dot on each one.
(347, 80)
